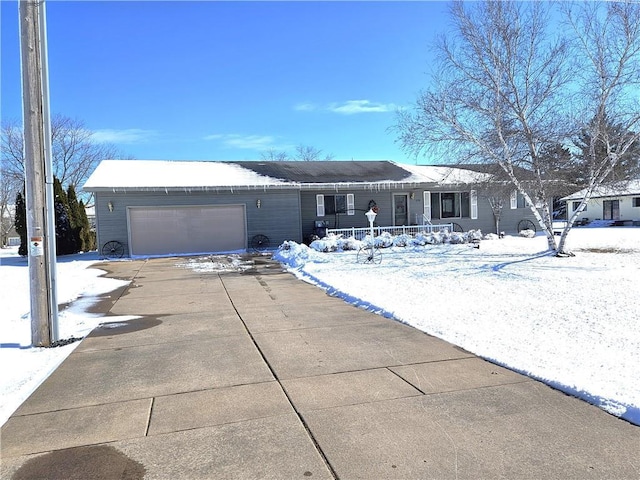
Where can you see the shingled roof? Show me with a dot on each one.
(329, 171)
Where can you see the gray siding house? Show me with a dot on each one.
(149, 208)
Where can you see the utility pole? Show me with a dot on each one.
(38, 174)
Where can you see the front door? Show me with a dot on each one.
(400, 209)
(611, 210)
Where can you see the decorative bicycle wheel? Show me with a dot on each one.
(526, 225)
(259, 243)
(112, 249)
(369, 254)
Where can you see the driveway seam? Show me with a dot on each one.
(146, 430)
(284, 391)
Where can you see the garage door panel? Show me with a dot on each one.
(194, 229)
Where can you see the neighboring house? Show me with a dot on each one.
(10, 237)
(619, 204)
(170, 207)
(91, 216)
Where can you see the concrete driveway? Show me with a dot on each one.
(260, 375)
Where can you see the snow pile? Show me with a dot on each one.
(528, 233)
(338, 243)
(297, 255)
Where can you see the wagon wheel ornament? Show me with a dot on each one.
(112, 249)
(526, 225)
(259, 243)
(369, 254)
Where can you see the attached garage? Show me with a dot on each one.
(186, 229)
(158, 208)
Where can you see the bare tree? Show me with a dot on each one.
(272, 155)
(303, 153)
(607, 40)
(307, 153)
(11, 177)
(8, 189)
(505, 91)
(75, 152)
(494, 97)
(11, 154)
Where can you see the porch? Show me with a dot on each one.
(360, 232)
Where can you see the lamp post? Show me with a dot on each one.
(371, 216)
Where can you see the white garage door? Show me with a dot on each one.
(180, 230)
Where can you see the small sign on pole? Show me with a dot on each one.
(36, 248)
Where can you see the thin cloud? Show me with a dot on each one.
(248, 142)
(130, 135)
(352, 107)
(305, 107)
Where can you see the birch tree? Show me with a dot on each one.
(505, 91)
(607, 39)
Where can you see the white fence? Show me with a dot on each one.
(360, 233)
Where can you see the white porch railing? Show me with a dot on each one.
(360, 233)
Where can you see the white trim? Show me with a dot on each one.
(320, 205)
(351, 204)
(426, 205)
(513, 199)
(473, 200)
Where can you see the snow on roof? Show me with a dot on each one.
(629, 188)
(158, 174)
(179, 175)
(445, 175)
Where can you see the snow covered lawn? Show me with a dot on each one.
(24, 368)
(571, 322)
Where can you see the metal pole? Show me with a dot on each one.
(38, 235)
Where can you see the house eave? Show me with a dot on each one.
(343, 186)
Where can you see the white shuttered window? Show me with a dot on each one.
(473, 198)
(320, 205)
(351, 204)
(335, 204)
(426, 206)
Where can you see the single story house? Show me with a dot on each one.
(179, 207)
(617, 203)
(9, 236)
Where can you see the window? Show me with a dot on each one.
(575, 206)
(517, 200)
(450, 205)
(454, 204)
(521, 202)
(636, 201)
(611, 209)
(335, 205)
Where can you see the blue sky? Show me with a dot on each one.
(213, 80)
